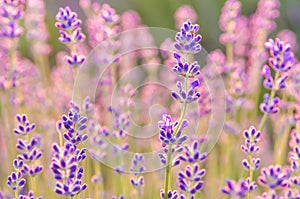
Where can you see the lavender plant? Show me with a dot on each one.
(27, 161)
(36, 78)
(187, 43)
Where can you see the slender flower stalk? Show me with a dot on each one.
(252, 163)
(70, 34)
(27, 162)
(281, 60)
(137, 168)
(187, 43)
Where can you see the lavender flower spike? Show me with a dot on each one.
(282, 57)
(66, 169)
(234, 189)
(70, 33)
(167, 127)
(187, 40)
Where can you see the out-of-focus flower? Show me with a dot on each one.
(273, 177)
(228, 20)
(190, 180)
(184, 13)
(187, 40)
(235, 189)
(70, 33)
(11, 13)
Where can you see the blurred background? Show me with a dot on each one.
(160, 13)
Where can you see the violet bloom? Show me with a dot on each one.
(235, 189)
(167, 129)
(120, 197)
(192, 154)
(12, 13)
(228, 20)
(190, 180)
(75, 124)
(187, 40)
(70, 33)
(137, 168)
(65, 166)
(183, 13)
(281, 57)
(36, 29)
(273, 177)
(250, 148)
(281, 61)
(171, 194)
(29, 196)
(16, 180)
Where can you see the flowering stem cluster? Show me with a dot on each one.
(281, 60)
(70, 34)
(26, 162)
(187, 43)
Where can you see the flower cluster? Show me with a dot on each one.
(281, 60)
(75, 124)
(294, 160)
(167, 131)
(273, 177)
(250, 148)
(70, 33)
(244, 186)
(235, 189)
(137, 168)
(190, 181)
(66, 169)
(228, 20)
(29, 196)
(12, 13)
(27, 161)
(192, 154)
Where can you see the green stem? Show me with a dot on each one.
(169, 155)
(16, 194)
(250, 175)
(168, 170)
(272, 95)
(229, 53)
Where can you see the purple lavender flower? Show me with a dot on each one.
(70, 33)
(66, 169)
(29, 196)
(30, 153)
(167, 128)
(192, 154)
(270, 195)
(120, 197)
(228, 20)
(24, 126)
(190, 180)
(185, 69)
(183, 13)
(270, 106)
(235, 189)
(137, 164)
(171, 194)
(282, 58)
(250, 148)
(273, 177)
(16, 180)
(176, 149)
(12, 13)
(187, 41)
(137, 168)
(75, 124)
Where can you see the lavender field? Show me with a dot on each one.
(96, 102)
